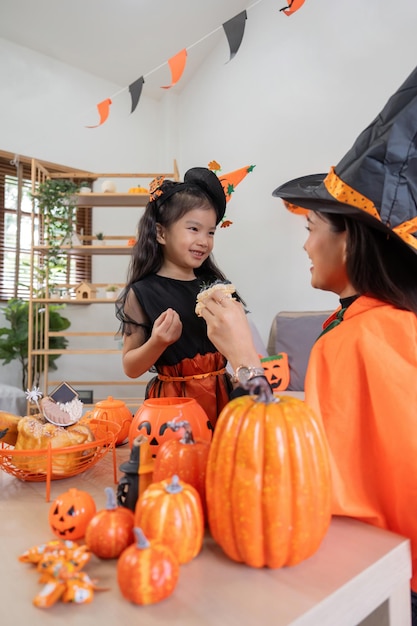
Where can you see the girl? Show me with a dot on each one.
(171, 262)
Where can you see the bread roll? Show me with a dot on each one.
(218, 289)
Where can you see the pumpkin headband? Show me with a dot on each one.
(218, 188)
(376, 181)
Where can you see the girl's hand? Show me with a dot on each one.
(167, 328)
(228, 329)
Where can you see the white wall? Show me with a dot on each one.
(44, 109)
(292, 102)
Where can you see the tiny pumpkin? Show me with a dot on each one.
(70, 513)
(268, 480)
(110, 531)
(170, 511)
(147, 571)
(184, 457)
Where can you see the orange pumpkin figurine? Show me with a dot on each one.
(268, 480)
(170, 511)
(70, 513)
(110, 531)
(147, 571)
(185, 457)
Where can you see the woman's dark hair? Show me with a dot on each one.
(147, 254)
(377, 263)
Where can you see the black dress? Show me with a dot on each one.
(190, 367)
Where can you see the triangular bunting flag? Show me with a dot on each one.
(135, 90)
(234, 30)
(177, 65)
(103, 110)
(230, 181)
(293, 6)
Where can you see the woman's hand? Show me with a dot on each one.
(228, 329)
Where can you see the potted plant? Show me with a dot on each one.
(56, 200)
(111, 291)
(14, 338)
(85, 187)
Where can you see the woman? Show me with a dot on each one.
(362, 372)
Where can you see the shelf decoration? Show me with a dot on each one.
(85, 291)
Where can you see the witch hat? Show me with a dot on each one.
(376, 181)
(231, 180)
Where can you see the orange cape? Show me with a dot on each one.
(362, 381)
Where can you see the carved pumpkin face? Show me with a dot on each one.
(277, 371)
(70, 514)
(152, 417)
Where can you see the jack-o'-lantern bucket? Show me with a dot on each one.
(152, 416)
(114, 411)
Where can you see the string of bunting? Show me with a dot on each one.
(234, 30)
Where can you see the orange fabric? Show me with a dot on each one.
(345, 194)
(362, 381)
(211, 392)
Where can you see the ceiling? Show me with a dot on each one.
(120, 40)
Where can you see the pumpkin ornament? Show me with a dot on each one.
(147, 571)
(170, 511)
(184, 457)
(268, 480)
(153, 415)
(114, 411)
(70, 513)
(110, 531)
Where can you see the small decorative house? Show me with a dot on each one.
(85, 291)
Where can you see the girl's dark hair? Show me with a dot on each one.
(377, 263)
(147, 254)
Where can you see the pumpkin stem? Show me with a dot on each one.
(185, 424)
(261, 388)
(111, 502)
(174, 486)
(141, 542)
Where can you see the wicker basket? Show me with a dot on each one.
(57, 463)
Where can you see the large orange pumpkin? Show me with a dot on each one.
(268, 481)
(170, 512)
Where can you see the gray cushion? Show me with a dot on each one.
(295, 332)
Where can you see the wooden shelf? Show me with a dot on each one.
(112, 199)
(90, 250)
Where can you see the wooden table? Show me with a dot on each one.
(359, 573)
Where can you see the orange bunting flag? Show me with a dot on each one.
(230, 181)
(293, 6)
(103, 110)
(177, 65)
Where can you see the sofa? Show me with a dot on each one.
(295, 332)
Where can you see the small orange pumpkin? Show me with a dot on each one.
(147, 571)
(184, 457)
(70, 514)
(110, 531)
(170, 511)
(114, 411)
(268, 480)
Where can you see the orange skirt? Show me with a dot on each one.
(203, 378)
